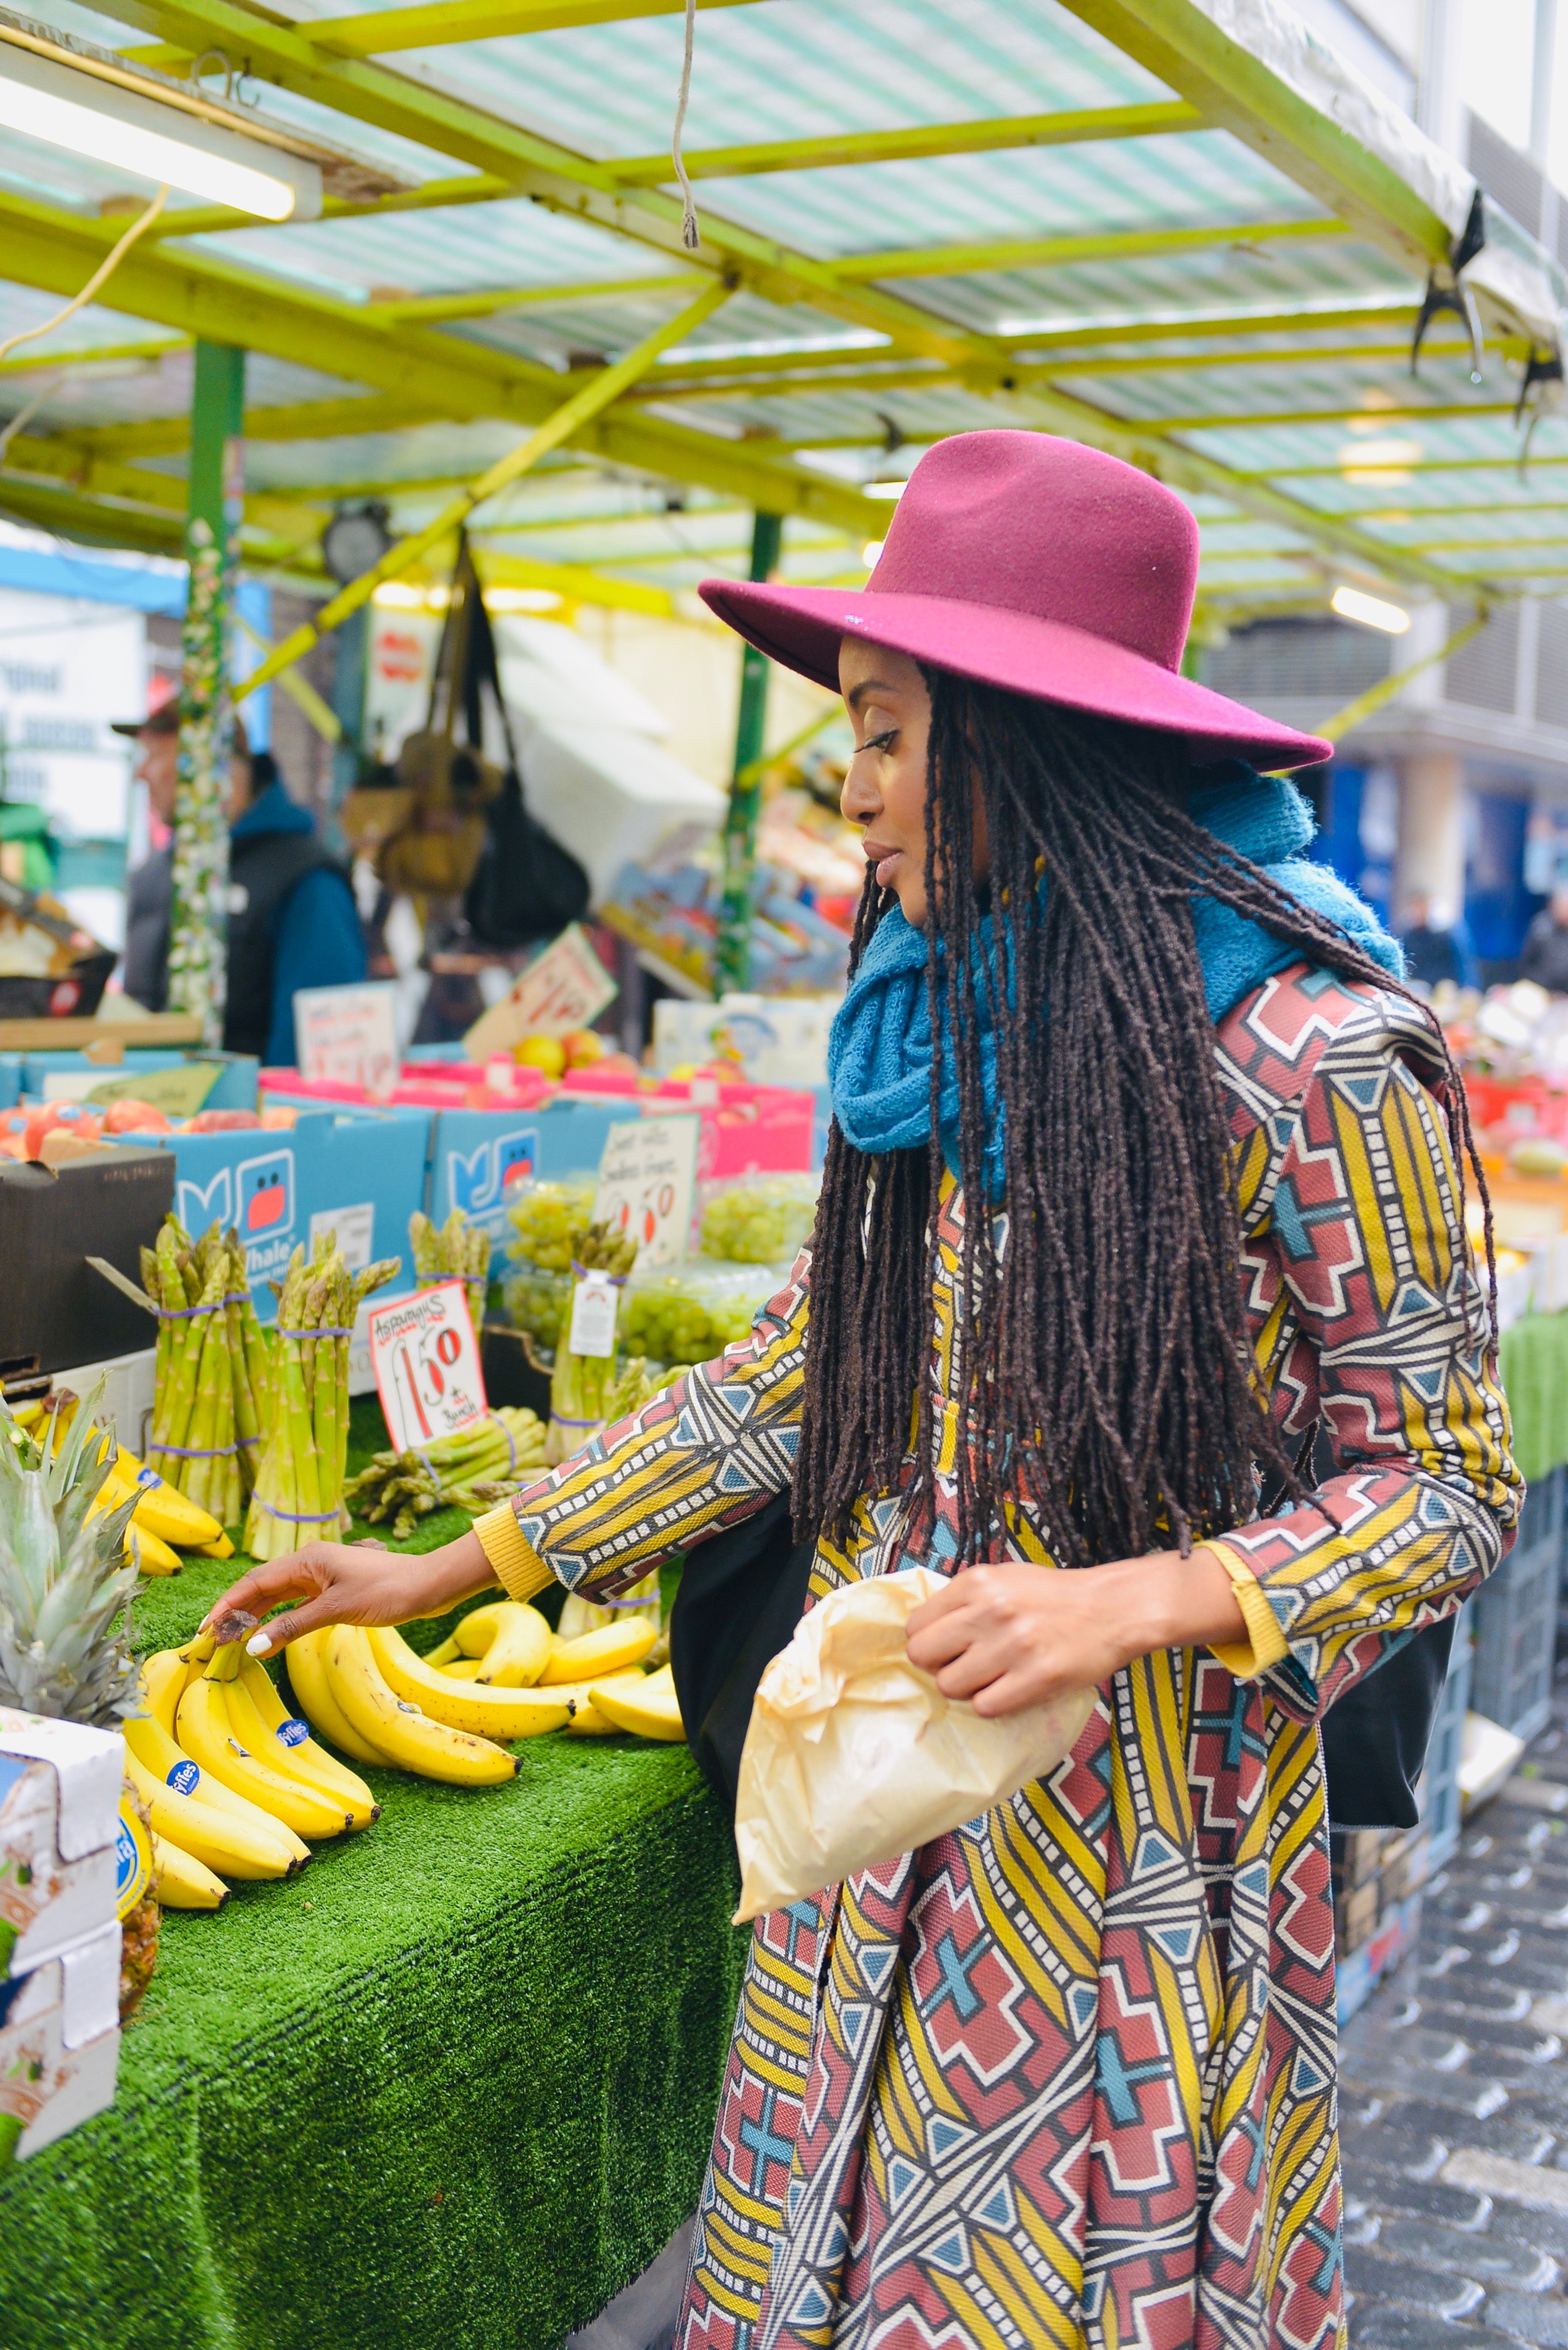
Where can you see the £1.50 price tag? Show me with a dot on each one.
(425, 1358)
(647, 1179)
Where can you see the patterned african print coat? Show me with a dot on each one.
(1067, 2075)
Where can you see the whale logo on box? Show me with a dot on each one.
(480, 1180)
(257, 1198)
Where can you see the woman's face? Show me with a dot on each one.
(885, 790)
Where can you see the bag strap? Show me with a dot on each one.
(482, 668)
(455, 653)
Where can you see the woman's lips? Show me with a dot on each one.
(885, 859)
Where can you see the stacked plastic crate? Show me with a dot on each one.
(1516, 1618)
(63, 1856)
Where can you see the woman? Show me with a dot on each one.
(1176, 1186)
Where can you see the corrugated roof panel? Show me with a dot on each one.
(505, 243)
(790, 70)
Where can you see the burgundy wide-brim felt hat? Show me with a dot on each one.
(1036, 564)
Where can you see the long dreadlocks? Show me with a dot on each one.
(1102, 1346)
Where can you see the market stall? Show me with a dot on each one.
(472, 2052)
(455, 2082)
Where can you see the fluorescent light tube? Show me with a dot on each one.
(1370, 610)
(120, 128)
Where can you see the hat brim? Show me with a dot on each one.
(802, 628)
(155, 725)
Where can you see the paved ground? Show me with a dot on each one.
(1454, 2094)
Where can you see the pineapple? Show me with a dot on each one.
(66, 1585)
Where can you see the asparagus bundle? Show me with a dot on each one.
(299, 1496)
(472, 1470)
(455, 1251)
(581, 1385)
(639, 1600)
(211, 1360)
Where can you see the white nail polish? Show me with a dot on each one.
(259, 1644)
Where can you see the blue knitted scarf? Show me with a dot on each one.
(880, 1053)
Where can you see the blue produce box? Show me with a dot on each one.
(234, 1088)
(477, 1155)
(359, 1171)
(11, 1080)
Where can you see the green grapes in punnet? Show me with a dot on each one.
(546, 1215)
(758, 1219)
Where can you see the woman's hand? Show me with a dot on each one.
(354, 1583)
(1008, 1637)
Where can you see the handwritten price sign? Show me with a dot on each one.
(564, 988)
(648, 1178)
(348, 1035)
(425, 1358)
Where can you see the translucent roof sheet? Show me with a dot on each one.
(1245, 333)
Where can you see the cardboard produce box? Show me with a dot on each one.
(55, 1310)
(59, 2044)
(60, 1836)
(359, 1172)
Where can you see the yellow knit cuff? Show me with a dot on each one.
(1265, 1643)
(518, 1565)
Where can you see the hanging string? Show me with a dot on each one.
(105, 269)
(690, 234)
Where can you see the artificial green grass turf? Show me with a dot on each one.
(449, 2089)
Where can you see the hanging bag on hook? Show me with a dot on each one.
(437, 841)
(525, 886)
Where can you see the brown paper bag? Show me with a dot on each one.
(854, 1756)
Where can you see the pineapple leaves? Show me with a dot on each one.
(66, 1580)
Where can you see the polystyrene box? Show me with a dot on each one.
(59, 1830)
(59, 2044)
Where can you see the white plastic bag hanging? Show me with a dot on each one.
(854, 1756)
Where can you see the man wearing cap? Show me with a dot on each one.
(292, 922)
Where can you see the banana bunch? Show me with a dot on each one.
(233, 1783)
(506, 1646)
(162, 1518)
(471, 1470)
(369, 1694)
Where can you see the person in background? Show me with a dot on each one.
(1434, 950)
(1545, 956)
(292, 922)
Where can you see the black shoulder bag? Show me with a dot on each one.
(741, 1595)
(525, 886)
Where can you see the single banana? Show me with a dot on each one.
(518, 1651)
(255, 1706)
(180, 1881)
(228, 1845)
(463, 1669)
(446, 1654)
(162, 1508)
(647, 1711)
(207, 1735)
(147, 1738)
(163, 1679)
(412, 1739)
(598, 1654)
(479, 1626)
(222, 1548)
(502, 1714)
(313, 1692)
(587, 1720)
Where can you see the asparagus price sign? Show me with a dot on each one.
(425, 1358)
(648, 1178)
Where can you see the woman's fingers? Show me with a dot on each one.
(259, 1591)
(313, 1617)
